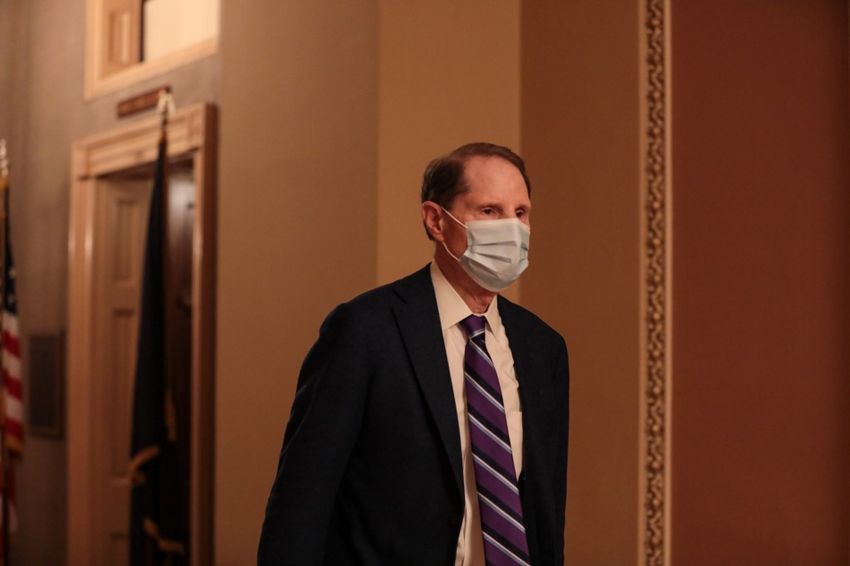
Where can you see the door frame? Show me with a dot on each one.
(192, 135)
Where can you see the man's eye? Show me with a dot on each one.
(488, 211)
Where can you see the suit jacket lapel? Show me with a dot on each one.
(419, 322)
(530, 376)
(533, 394)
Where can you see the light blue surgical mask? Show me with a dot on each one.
(496, 251)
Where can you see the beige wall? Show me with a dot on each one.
(297, 224)
(761, 413)
(580, 136)
(449, 74)
(320, 172)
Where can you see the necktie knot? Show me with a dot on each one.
(473, 325)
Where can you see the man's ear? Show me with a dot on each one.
(432, 218)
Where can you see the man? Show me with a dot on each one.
(430, 422)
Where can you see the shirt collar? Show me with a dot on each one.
(451, 306)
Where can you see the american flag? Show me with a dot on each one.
(11, 368)
(11, 357)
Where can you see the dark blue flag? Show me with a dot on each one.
(158, 526)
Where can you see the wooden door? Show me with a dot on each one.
(120, 227)
(109, 201)
(120, 223)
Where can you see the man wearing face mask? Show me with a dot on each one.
(431, 419)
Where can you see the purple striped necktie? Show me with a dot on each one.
(505, 542)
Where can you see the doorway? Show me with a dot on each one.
(112, 180)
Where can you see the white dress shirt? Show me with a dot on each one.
(452, 309)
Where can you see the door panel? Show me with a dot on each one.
(120, 223)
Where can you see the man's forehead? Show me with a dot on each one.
(492, 173)
(487, 163)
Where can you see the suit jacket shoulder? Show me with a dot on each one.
(378, 301)
(519, 318)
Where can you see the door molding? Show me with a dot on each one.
(191, 135)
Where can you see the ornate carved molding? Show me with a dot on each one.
(656, 306)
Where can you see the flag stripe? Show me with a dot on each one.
(14, 409)
(10, 369)
(11, 365)
(14, 428)
(11, 345)
(14, 387)
(10, 324)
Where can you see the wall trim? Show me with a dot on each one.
(656, 260)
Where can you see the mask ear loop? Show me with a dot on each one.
(452, 216)
(448, 251)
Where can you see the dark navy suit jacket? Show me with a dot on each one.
(370, 470)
